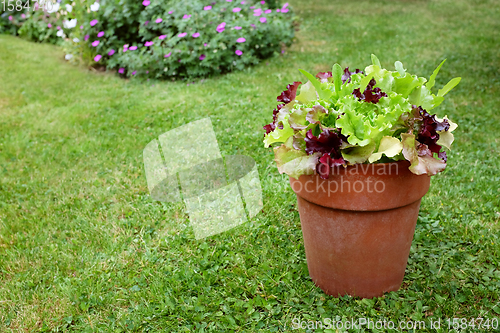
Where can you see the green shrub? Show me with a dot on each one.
(187, 41)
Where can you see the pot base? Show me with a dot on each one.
(357, 253)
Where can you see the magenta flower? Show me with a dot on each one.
(146, 3)
(158, 20)
(257, 12)
(252, 7)
(50, 26)
(133, 73)
(186, 16)
(237, 28)
(263, 19)
(86, 38)
(132, 48)
(10, 17)
(237, 9)
(267, 11)
(285, 5)
(81, 27)
(146, 23)
(221, 27)
(110, 53)
(125, 47)
(229, 0)
(241, 40)
(207, 7)
(243, 2)
(170, 12)
(148, 43)
(97, 58)
(100, 34)
(202, 57)
(168, 54)
(162, 37)
(58, 27)
(196, 35)
(252, 25)
(182, 34)
(278, 10)
(284, 10)
(205, 44)
(23, 16)
(95, 43)
(93, 22)
(238, 52)
(121, 70)
(262, 2)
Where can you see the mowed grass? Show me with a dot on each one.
(84, 248)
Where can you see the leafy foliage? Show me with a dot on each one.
(357, 117)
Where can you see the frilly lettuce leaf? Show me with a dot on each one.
(278, 135)
(422, 162)
(389, 146)
(446, 137)
(307, 93)
(315, 115)
(358, 154)
(295, 162)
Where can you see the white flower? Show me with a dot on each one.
(94, 7)
(51, 7)
(60, 33)
(69, 8)
(69, 24)
(68, 56)
(76, 40)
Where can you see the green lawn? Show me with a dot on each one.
(83, 247)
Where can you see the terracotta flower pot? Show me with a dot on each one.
(358, 226)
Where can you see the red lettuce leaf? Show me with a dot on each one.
(371, 94)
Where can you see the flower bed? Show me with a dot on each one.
(166, 38)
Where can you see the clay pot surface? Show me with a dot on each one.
(358, 226)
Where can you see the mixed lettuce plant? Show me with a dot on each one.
(345, 117)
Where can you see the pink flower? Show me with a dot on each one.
(237, 28)
(252, 25)
(10, 18)
(182, 34)
(81, 27)
(110, 53)
(158, 20)
(241, 40)
(168, 54)
(263, 19)
(146, 3)
(162, 37)
(252, 7)
(121, 70)
(285, 5)
(207, 7)
(237, 9)
(257, 12)
(146, 23)
(58, 27)
(97, 58)
(133, 73)
(170, 12)
(243, 2)
(95, 43)
(23, 16)
(196, 35)
(186, 16)
(267, 11)
(148, 43)
(229, 0)
(50, 26)
(284, 10)
(202, 57)
(93, 22)
(205, 44)
(125, 47)
(85, 38)
(238, 52)
(132, 48)
(100, 34)
(221, 27)
(278, 10)
(262, 2)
